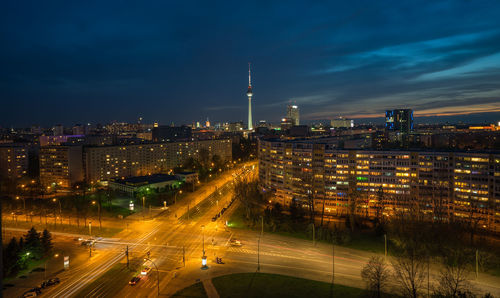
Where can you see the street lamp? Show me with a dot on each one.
(157, 272)
(45, 266)
(24, 204)
(203, 235)
(175, 197)
(99, 213)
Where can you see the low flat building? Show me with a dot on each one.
(188, 177)
(133, 185)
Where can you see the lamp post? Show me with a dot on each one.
(157, 272)
(45, 266)
(143, 206)
(203, 235)
(175, 197)
(98, 213)
(90, 228)
(258, 244)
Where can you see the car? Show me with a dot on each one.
(145, 271)
(134, 280)
(88, 242)
(50, 282)
(235, 242)
(33, 292)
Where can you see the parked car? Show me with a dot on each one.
(134, 280)
(50, 282)
(33, 292)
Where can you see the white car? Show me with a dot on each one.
(145, 271)
(235, 242)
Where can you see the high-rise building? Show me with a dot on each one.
(399, 120)
(14, 161)
(463, 185)
(249, 94)
(61, 165)
(292, 112)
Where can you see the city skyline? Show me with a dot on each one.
(64, 66)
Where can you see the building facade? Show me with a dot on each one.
(342, 122)
(14, 161)
(106, 162)
(61, 166)
(399, 120)
(292, 112)
(443, 184)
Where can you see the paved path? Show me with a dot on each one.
(210, 288)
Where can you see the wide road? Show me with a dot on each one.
(140, 237)
(176, 246)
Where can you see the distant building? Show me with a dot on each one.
(263, 123)
(56, 140)
(164, 133)
(286, 124)
(78, 129)
(342, 122)
(399, 120)
(292, 113)
(36, 129)
(299, 131)
(233, 126)
(58, 130)
(148, 135)
(61, 165)
(103, 163)
(14, 161)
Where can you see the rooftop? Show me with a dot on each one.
(144, 180)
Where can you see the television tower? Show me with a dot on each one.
(249, 94)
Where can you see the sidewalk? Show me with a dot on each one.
(210, 288)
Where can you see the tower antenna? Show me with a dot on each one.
(249, 76)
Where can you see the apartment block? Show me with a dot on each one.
(61, 166)
(442, 184)
(14, 161)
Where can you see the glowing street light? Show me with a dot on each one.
(157, 272)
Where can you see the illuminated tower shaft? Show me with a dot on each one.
(249, 94)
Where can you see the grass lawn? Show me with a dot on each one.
(195, 290)
(64, 228)
(274, 285)
(362, 240)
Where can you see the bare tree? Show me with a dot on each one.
(409, 272)
(376, 275)
(454, 278)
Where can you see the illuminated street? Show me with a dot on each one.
(166, 237)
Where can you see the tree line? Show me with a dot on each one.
(17, 254)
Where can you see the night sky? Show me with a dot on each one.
(182, 61)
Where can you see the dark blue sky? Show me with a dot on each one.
(81, 61)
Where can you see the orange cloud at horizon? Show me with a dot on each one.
(445, 111)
